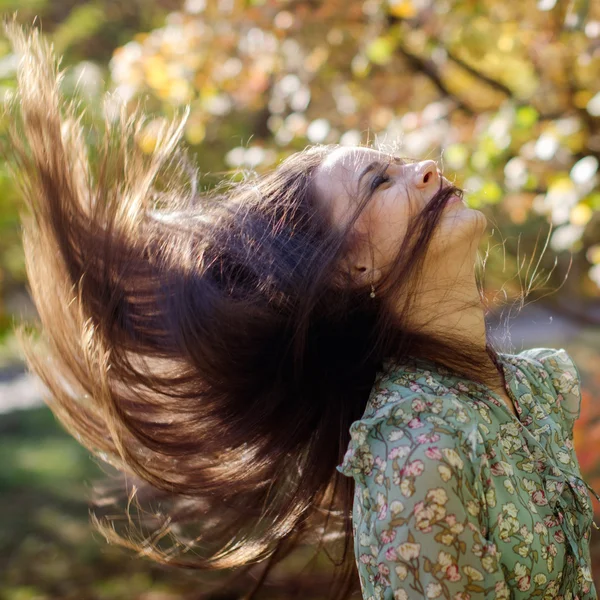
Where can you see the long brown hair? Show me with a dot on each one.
(209, 345)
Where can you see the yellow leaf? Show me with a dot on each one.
(403, 9)
(156, 72)
(149, 136)
(380, 50)
(580, 214)
(147, 142)
(195, 133)
(180, 91)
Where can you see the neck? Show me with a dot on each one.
(448, 302)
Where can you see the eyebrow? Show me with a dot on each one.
(378, 164)
(370, 167)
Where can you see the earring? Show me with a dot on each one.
(372, 294)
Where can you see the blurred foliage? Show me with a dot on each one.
(505, 94)
(47, 547)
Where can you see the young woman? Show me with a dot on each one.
(228, 350)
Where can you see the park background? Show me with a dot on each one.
(506, 95)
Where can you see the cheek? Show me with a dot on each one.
(388, 222)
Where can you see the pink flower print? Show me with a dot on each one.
(365, 559)
(388, 536)
(539, 498)
(451, 520)
(452, 573)
(398, 451)
(415, 387)
(415, 423)
(433, 452)
(462, 387)
(418, 405)
(379, 462)
(524, 583)
(491, 549)
(559, 536)
(538, 527)
(390, 554)
(497, 469)
(383, 569)
(427, 438)
(550, 521)
(413, 468)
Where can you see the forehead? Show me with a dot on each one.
(339, 172)
(349, 160)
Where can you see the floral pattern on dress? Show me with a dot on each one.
(457, 498)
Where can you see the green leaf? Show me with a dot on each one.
(456, 156)
(527, 116)
(83, 22)
(477, 589)
(491, 192)
(593, 200)
(381, 49)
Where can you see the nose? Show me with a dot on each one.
(427, 175)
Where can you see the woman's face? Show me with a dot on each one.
(399, 192)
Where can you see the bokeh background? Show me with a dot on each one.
(506, 95)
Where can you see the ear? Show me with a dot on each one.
(365, 276)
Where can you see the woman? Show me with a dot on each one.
(227, 351)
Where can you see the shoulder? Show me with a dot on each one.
(404, 430)
(556, 368)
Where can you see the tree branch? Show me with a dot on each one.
(478, 74)
(428, 67)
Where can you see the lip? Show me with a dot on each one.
(455, 200)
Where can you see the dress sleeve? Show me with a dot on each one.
(416, 515)
(562, 373)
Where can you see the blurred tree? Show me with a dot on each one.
(86, 34)
(507, 93)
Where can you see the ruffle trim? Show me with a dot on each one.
(564, 375)
(357, 459)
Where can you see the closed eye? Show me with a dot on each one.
(379, 180)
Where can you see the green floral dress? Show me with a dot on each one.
(457, 498)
